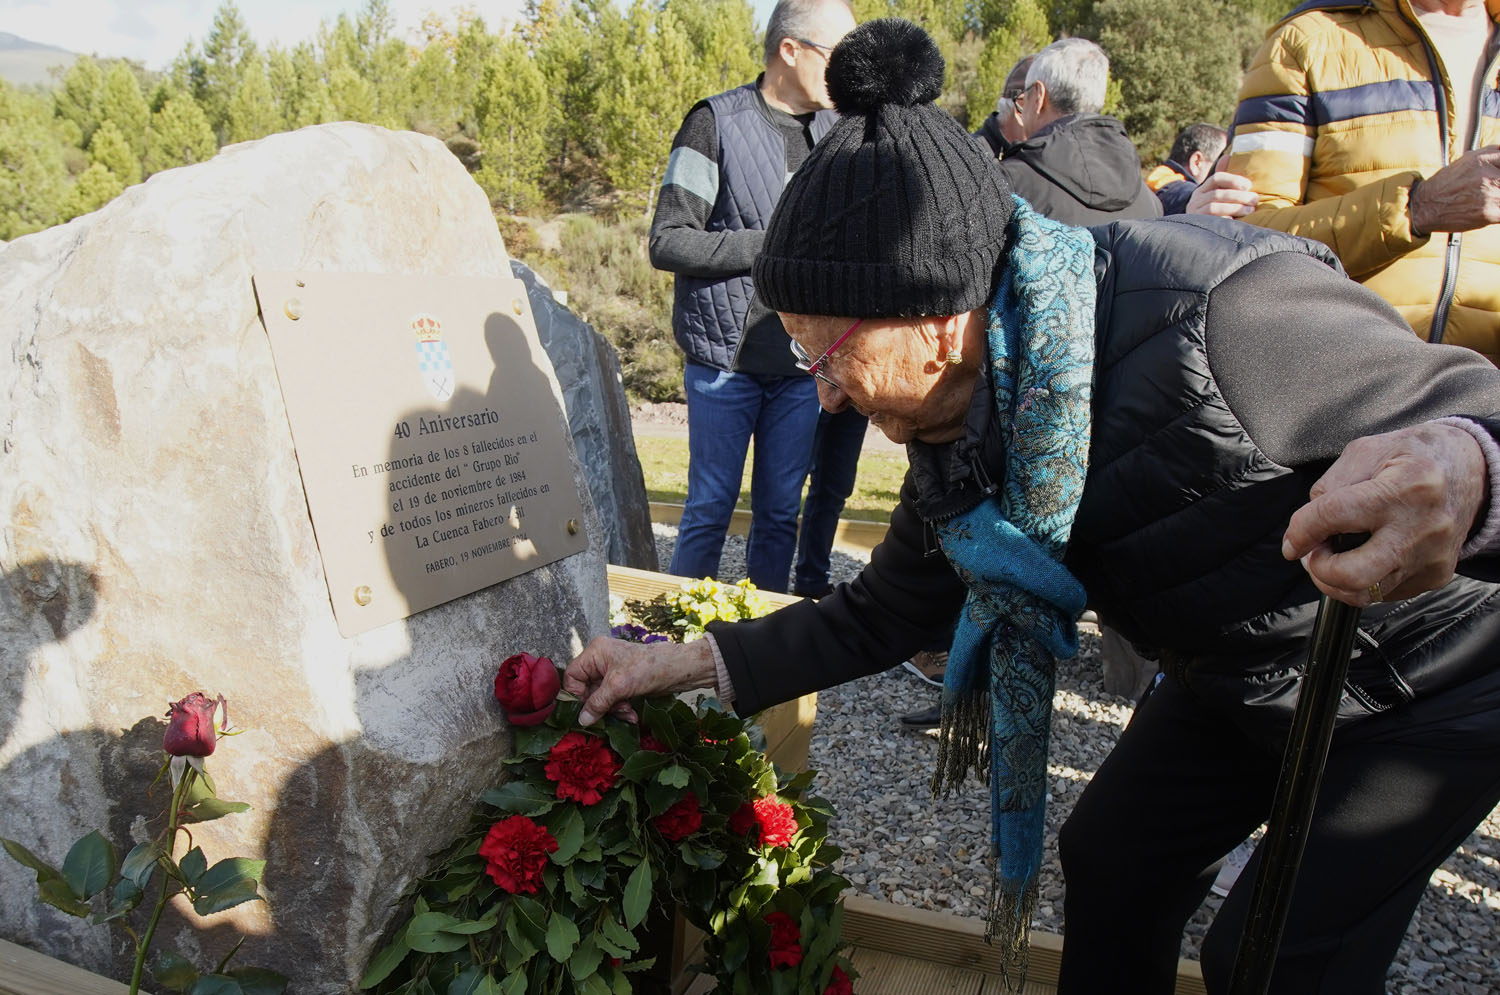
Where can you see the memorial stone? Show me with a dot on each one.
(599, 418)
(156, 540)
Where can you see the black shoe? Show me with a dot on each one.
(927, 718)
(821, 592)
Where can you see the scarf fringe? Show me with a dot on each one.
(963, 743)
(1008, 920)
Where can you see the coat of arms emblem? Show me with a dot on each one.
(433, 358)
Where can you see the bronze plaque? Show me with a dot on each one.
(429, 428)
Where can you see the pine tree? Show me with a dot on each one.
(570, 53)
(111, 149)
(122, 102)
(252, 109)
(300, 89)
(433, 101)
(352, 95)
(79, 96)
(33, 174)
(95, 188)
(179, 135)
(226, 52)
(511, 106)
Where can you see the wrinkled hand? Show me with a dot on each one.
(1462, 196)
(609, 672)
(1416, 491)
(1223, 195)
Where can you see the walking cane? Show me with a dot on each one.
(1296, 790)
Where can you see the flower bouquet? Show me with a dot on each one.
(550, 887)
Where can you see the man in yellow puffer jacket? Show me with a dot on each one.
(1371, 126)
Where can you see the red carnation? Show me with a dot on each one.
(583, 767)
(839, 984)
(743, 820)
(682, 819)
(516, 853)
(650, 742)
(526, 688)
(786, 940)
(778, 823)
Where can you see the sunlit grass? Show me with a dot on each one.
(664, 463)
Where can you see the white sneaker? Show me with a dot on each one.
(929, 666)
(1233, 864)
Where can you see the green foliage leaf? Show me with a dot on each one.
(259, 981)
(468, 927)
(230, 870)
(624, 737)
(531, 919)
(567, 829)
(57, 893)
(173, 972)
(562, 938)
(637, 894)
(236, 892)
(126, 897)
(642, 764)
(215, 984)
(192, 865)
(140, 863)
(385, 962)
(536, 741)
(211, 808)
(89, 865)
(675, 776)
(467, 982)
(622, 938)
(593, 985)
(44, 870)
(702, 857)
(515, 984)
(520, 798)
(428, 933)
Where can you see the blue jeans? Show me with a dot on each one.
(724, 411)
(835, 461)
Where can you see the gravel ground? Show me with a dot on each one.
(903, 846)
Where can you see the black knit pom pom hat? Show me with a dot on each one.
(898, 211)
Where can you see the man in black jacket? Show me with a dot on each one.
(1075, 165)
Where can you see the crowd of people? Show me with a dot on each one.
(1165, 420)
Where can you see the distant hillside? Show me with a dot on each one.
(26, 63)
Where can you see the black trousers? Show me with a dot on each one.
(1189, 781)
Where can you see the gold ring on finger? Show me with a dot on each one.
(1374, 592)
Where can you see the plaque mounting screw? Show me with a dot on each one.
(516, 305)
(363, 595)
(572, 526)
(293, 308)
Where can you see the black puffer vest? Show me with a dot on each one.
(1178, 537)
(708, 315)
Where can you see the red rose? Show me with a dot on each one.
(682, 819)
(526, 688)
(743, 820)
(786, 940)
(839, 984)
(650, 742)
(583, 767)
(190, 725)
(516, 851)
(778, 823)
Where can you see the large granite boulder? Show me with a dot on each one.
(156, 541)
(588, 369)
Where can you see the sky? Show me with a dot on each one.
(154, 31)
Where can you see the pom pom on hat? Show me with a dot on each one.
(886, 61)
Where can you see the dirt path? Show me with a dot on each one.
(670, 421)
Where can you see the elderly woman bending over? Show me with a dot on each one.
(1166, 421)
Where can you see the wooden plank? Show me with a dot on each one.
(852, 534)
(26, 972)
(959, 941)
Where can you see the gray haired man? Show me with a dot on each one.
(1074, 164)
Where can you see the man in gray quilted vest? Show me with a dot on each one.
(729, 162)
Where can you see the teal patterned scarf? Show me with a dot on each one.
(1023, 605)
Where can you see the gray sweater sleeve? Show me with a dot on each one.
(680, 241)
(1348, 367)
